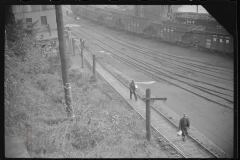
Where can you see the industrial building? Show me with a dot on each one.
(43, 15)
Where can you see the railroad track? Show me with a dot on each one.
(219, 74)
(92, 38)
(207, 70)
(191, 148)
(177, 58)
(220, 97)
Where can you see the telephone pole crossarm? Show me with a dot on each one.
(145, 99)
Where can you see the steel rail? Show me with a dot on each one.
(174, 146)
(215, 101)
(192, 78)
(138, 46)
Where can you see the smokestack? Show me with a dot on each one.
(136, 10)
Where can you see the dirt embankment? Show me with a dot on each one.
(105, 126)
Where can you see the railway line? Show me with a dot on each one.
(206, 65)
(208, 70)
(167, 55)
(168, 128)
(222, 96)
(218, 71)
(162, 53)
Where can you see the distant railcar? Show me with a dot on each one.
(193, 34)
(215, 40)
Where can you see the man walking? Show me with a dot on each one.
(132, 90)
(184, 125)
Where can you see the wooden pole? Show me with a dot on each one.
(148, 115)
(94, 65)
(49, 29)
(73, 43)
(70, 41)
(148, 100)
(136, 10)
(6, 46)
(64, 63)
(81, 41)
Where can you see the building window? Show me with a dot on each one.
(28, 20)
(44, 7)
(44, 20)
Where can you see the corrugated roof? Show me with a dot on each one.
(30, 8)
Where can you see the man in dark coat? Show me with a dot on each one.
(132, 90)
(184, 125)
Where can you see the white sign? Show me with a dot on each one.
(72, 25)
(150, 82)
(105, 52)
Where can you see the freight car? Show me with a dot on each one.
(185, 35)
(215, 40)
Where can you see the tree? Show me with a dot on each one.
(19, 37)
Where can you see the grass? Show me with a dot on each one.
(105, 126)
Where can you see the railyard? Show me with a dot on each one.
(199, 71)
(107, 123)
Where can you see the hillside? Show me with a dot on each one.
(105, 126)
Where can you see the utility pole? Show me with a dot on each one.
(82, 45)
(49, 30)
(62, 50)
(148, 100)
(136, 10)
(6, 40)
(73, 43)
(94, 64)
(70, 41)
(148, 115)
